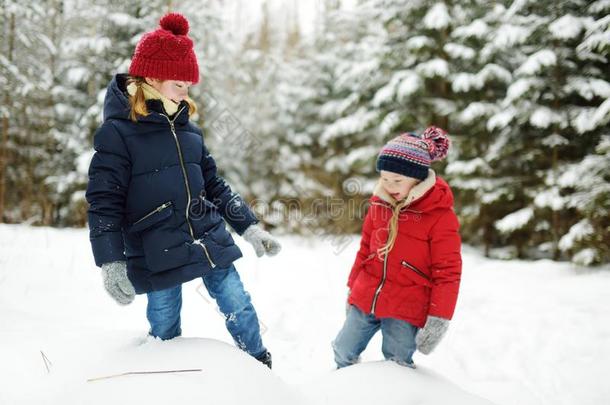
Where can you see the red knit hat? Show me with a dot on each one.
(166, 53)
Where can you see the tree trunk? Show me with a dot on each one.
(5, 118)
(555, 226)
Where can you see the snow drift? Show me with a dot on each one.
(229, 376)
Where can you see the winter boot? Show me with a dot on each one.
(265, 358)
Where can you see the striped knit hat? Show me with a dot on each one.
(410, 154)
(166, 53)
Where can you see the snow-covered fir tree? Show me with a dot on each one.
(36, 146)
(333, 134)
(549, 120)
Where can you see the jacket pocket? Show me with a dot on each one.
(413, 303)
(163, 243)
(415, 274)
(160, 213)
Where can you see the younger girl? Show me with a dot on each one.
(406, 276)
(157, 204)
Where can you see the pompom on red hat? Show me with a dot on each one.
(166, 53)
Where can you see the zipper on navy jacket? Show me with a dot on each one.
(205, 250)
(158, 209)
(415, 269)
(186, 182)
(188, 191)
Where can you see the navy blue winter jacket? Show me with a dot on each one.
(155, 198)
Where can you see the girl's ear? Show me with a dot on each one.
(151, 81)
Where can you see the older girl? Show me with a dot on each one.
(157, 204)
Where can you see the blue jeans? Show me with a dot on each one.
(225, 286)
(359, 328)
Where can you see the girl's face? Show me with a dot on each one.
(397, 185)
(175, 90)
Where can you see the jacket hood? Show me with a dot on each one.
(431, 193)
(116, 104)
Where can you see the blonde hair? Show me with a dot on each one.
(138, 101)
(393, 229)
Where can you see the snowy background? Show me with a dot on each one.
(297, 98)
(524, 332)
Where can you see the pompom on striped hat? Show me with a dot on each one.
(167, 52)
(410, 154)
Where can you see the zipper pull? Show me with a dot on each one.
(205, 250)
(163, 206)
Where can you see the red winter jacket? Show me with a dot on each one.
(422, 271)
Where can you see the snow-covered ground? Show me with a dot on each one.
(524, 333)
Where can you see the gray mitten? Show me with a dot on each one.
(430, 336)
(262, 241)
(116, 282)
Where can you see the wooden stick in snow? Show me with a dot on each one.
(46, 360)
(144, 372)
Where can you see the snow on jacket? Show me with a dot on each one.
(155, 198)
(421, 274)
